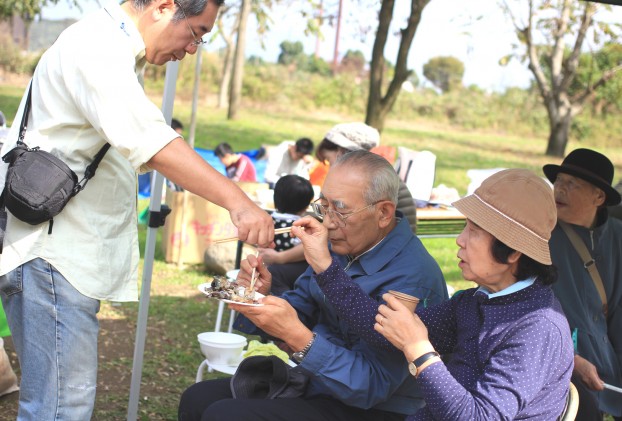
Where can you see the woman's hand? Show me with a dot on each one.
(263, 282)
(314, 238)
(403, 328)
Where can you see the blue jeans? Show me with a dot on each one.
(54, 330)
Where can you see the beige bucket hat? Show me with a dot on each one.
(518, 208)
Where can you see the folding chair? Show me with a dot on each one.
(572, 405)
(417, 169)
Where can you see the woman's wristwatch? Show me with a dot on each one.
(414, 366)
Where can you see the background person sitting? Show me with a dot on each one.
(292, 195)
(582, 185)
(289, 158)
(510, 350)
(347, 137)
(177, 126)
(238, 166)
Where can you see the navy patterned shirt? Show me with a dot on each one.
(508, 357)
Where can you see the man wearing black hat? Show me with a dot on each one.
(586, 247)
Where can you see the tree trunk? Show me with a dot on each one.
(238, 63)
(376, 71)
(558, 137)
(225, 82)
(379, 106)
(227, 68)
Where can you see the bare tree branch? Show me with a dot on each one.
(534, 58)
(572, 62)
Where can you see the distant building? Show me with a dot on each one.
(42, 33)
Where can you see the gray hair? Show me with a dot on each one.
(190, 7)
(383, 181)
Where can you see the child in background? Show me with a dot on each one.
(292, 195)
(239, 167)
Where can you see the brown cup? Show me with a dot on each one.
(410, 301)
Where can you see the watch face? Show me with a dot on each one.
(298, 356)
(412, 369)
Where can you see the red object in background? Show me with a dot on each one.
(317, 173)
(385, 151)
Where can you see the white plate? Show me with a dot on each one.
(204, 288)
(257, 296)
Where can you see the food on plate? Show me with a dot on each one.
(224, 289)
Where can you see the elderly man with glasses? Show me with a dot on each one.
(348, 379)
(86, 93)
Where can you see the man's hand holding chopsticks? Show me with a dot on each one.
(263, 281)
(254, 225)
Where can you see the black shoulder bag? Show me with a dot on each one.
(38, 185)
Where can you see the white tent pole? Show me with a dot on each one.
(157, 180)
(193, 126)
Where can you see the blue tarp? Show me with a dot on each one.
(144, 180)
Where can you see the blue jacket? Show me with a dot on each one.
(598, 338)
(340, 364)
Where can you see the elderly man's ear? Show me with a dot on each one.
(387, 213)
(599, 198)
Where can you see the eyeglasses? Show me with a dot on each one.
(197, 41)
(338, 218)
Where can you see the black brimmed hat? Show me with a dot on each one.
(588, 165)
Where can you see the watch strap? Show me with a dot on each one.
(425, 357)
(299, 356)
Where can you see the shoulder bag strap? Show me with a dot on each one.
(24, 124)
(92, 167)
(588, 262)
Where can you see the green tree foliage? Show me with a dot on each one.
(291, 52)
(353, 61)
(27, 9)
(591, 68)
(444, 72)
(316, 65)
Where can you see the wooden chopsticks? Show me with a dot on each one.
(253, 277)
(276, 231)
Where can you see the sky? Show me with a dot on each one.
(474, 31)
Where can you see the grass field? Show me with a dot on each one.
(177, 311)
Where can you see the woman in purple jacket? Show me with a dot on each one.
(506, 346)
